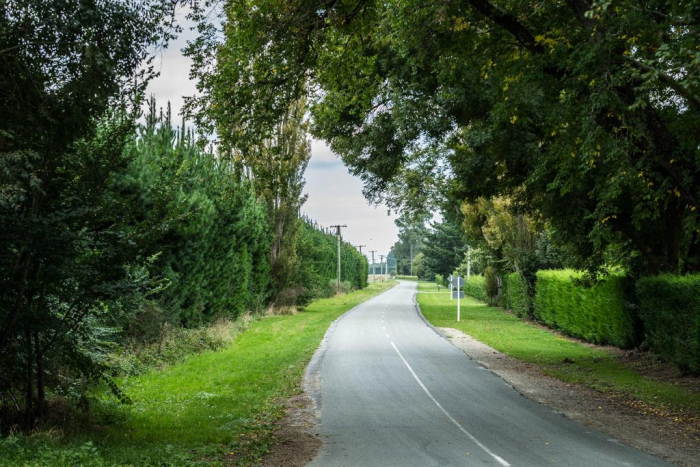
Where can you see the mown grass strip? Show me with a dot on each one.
(213, 404)
(563, 358)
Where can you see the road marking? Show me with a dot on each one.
(471, 437)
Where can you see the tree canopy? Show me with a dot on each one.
(443, 248)
(588, 111)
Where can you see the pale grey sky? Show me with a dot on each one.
(335, 196)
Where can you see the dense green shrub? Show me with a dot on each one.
(491, 288)
(516, 295)
(440, 279)
(503, 298)
(669, 307)
(598, 314)
(476, 287)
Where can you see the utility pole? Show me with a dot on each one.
(359, 247)
(337, 233)
(411, 243)
(381, 265)
(374, 272)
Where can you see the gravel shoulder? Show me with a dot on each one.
(296, 442)
(656, 435)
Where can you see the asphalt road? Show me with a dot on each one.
(392, 392)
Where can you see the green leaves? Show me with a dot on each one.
(210, 230)
(563, 106)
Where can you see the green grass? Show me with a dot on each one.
(215, 403)
(594, 367)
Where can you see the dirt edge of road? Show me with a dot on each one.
(295, 440)
(650, 433)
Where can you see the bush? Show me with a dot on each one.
(669, 307)
(516, 295)
(440, 279)
(598, 314)
(475, 287)
(491, 288)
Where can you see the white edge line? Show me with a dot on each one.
(500, 460)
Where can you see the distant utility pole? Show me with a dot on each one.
(374, 272)
(411, 243)
(359, 247)
(337, 233)
(381, 265)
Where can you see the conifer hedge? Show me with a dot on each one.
(210, 234)
(598, 314)
(670, 310)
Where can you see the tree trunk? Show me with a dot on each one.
(11, 319)
(40, 394)
(29, 389)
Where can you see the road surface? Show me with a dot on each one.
(392, 392)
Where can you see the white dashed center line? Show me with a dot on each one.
(462, 429)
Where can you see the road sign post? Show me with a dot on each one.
(457, 283)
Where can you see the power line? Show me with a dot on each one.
(374, 271)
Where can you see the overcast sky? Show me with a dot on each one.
(335, 196)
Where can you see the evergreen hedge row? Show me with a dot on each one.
(210, 238)
(318, 271)
(212, 241)
(670, 310)
(598, 314)
(476, 287)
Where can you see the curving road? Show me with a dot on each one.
(392, 392)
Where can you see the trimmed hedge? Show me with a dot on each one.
(407, 278)
(669, 306)
(515, 295)
(504, 298)
(476, 287)
(598, 314)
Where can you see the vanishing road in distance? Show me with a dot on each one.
(392, 392)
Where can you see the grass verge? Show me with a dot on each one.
(561, 357)
(212, 405)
